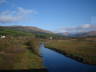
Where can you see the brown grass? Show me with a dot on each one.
(14, 53)
(82, 50)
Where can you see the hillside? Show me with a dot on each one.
(79, 34)
(91, 33)
(26, 29)
(85, 34)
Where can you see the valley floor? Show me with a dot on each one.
(79, 49)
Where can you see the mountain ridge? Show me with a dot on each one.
(27, 29)
(79, 34)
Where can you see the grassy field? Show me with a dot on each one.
(17, 53)
(83, 50)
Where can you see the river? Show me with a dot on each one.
(56, 62)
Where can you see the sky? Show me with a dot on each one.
(53, 15)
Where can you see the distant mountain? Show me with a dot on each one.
(26, 29)
(85, 34)
(78, 34)
(90, 33)
(64, 33)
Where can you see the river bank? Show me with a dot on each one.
(20, 53)
(82, 51)
(57, 62)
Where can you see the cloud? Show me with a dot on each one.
(15, 16)
(87, 26)
(84, 27)
(3, 1)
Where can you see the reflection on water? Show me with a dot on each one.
(56, 62)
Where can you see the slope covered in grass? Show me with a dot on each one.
(4, 31)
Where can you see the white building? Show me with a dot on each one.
(51, 38)
(2, 36)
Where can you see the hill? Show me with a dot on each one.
(28, 30)
(86, 34)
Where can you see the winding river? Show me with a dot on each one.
(56, 62)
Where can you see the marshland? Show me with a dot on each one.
(80, 49)
(48, 35)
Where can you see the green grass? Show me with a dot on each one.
(81, 50)
(14, 32)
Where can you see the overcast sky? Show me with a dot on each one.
(54, 15)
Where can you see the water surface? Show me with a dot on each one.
(56, 62)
